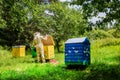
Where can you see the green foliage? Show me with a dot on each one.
(114, 32)
(2, 21)
(14, 13)
(65, 20)
(23, 18)
(110, 42)
(93, 7)
(98, 34)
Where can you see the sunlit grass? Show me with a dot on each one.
(105, 54)
(105, 65)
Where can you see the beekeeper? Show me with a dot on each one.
(38, 44)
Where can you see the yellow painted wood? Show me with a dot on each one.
(49, 51)
(18, 51)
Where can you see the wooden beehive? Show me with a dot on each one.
(18, 51)
(49, 47)
(49, 51)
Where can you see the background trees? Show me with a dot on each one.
(58, 20)
(15, 14)
(22, 18)
(92, 8)
(66, 22)
(19, 19)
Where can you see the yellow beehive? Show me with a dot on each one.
(49, 51)
(49, 47)
(18, 51)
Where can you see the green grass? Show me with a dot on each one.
(105, 65)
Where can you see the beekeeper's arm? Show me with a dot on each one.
(44, 38)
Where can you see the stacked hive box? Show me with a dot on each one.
(18, 51)
(77, 51)
(49, 47)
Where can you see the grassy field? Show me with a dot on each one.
(105, 65)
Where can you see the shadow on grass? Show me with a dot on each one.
(117, 59)
(103, 72)
(96, 72)
(76, 67)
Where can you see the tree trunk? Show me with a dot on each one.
(58, 45)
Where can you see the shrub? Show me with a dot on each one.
(110, 42)
(97, 34)
(114, 32)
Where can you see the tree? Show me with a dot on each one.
(66, 22)
(58, 20)
(92, 7)
(15, 14)
(4, 20)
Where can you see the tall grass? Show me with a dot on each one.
(105, 51)
(105, 65)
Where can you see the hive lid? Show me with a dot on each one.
(78, 40)
(18, 46)
(49, 41)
